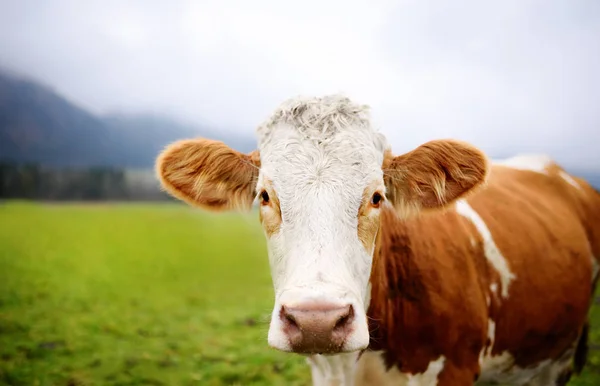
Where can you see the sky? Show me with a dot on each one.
(509, 76)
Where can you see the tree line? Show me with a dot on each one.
(37, 182)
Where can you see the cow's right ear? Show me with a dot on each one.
(208, 174)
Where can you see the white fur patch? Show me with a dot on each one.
(333, 370)
(486, 351)
(501, 369)
(494, 288)
(368, 296)
(492, 253)
(532, 162)
(491, 332)
(569, 179)
(371, 370)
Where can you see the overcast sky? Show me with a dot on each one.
(509, 76)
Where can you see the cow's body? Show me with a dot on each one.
(435, 266)
(495, 289)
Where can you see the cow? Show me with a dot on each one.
(433, 267)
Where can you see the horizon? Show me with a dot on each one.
(202, 128)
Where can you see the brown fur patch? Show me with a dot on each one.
(426, 298)
(433, 175)
(586, 201)
(430, 277)
(270, 213)
(538, 230)
(208, 174)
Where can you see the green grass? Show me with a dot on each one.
(134, 294)
(143, 295)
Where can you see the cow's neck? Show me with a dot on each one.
(333, 370)
(401, 276)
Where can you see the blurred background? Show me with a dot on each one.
(106, 280)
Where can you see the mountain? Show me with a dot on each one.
(149, 133)
(38, 125)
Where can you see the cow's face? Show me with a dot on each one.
(321, 176)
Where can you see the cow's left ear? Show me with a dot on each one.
(433, 175)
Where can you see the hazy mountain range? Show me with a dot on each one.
(39, 125)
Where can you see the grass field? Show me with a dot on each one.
(143, 295)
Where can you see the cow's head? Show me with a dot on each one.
(321, 176)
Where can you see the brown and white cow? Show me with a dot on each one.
(435, 267)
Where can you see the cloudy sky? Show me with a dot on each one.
(509, 76)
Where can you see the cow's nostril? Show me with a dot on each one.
(291, 320)
(343, 320)
(288, 319)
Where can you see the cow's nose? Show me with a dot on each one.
(317, 328)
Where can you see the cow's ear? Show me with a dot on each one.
(433, 175)
(208, 174)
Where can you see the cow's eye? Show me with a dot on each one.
(376, 199)
(264, 197)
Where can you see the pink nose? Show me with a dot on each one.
(316, 328)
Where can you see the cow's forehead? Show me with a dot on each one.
(328, 140)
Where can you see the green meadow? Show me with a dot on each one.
(144, 294)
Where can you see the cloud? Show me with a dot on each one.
(515, 75)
